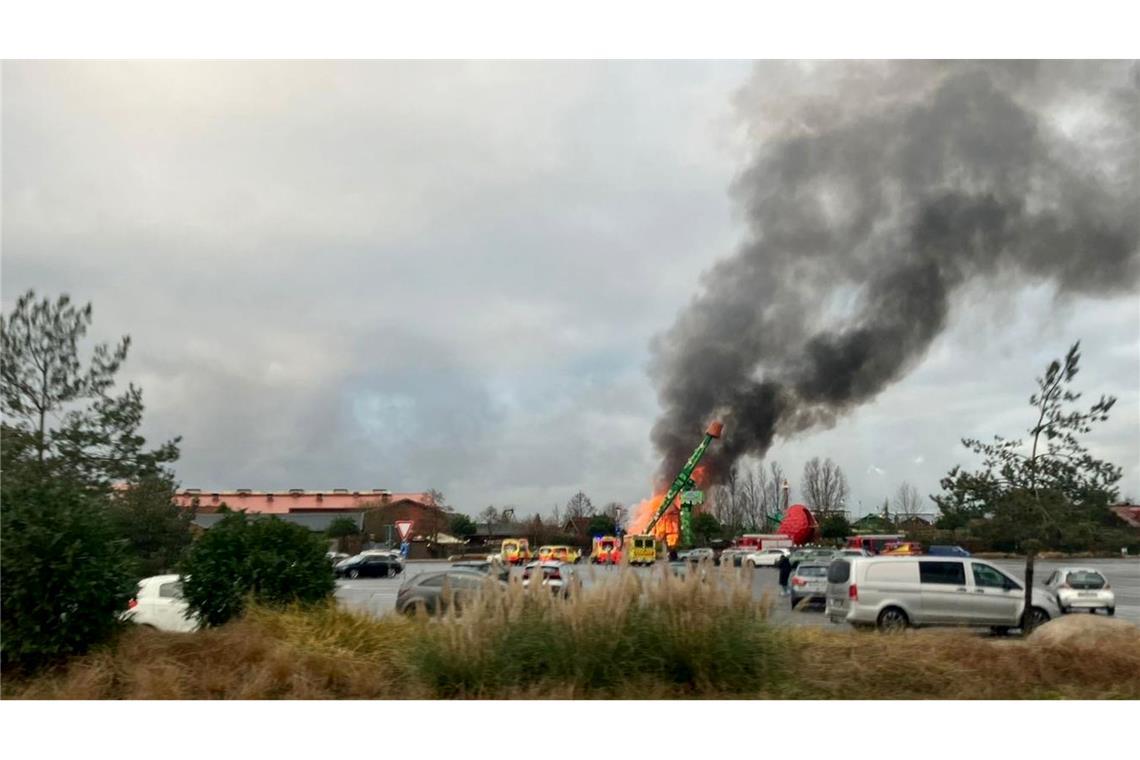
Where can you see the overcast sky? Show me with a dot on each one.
(416, 275)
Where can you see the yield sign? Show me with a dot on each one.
(404, 527)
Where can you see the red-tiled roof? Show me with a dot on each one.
(1129, 513)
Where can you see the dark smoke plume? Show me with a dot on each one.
(876, 191)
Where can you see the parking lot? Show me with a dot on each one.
(378, 595)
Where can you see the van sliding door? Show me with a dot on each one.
(945, 598)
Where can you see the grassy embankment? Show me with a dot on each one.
(685, 638)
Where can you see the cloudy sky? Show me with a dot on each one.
(411, 275)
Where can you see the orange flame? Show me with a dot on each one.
(668, 528)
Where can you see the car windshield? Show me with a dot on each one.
(1085, 579)
(811, 571)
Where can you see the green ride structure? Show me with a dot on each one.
(684, 482)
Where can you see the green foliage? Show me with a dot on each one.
(268, 560)
(341, 527)
(66, 574)
(602, 525)
(461, 525)
(62, 410)
(835, 526)
(1046, 489)
(706, 527)
(156, 529)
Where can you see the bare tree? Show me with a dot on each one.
(579, 506)
(907, 502)
(824, 485)
(754, 497)
(749, 497)
(489, 516)
(776, 486)
(613, 510)
(726, 499)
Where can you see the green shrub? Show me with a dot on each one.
(66, 574)
(267, 559)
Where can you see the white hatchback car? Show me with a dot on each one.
(1081, 588)
(765, 558)
(160, 605)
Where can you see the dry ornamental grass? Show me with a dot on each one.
(698, 636)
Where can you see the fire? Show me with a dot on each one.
(668, 528)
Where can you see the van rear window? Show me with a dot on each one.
(838, 571)
(948, 573)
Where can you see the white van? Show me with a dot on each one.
(896, 592)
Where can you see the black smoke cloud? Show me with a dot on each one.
(875, 192)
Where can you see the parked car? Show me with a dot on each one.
(896, 592)
(946, 551)
(556, 576)
(159, 604)
(370, 565)
(1081, 588)
(812, 554)
(696, 555)
(734, 556)
(433, 593)
(485, 566)
(765, 557)
(853, 553)
(337, 557)
(808, 582)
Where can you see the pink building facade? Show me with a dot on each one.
(294, 500)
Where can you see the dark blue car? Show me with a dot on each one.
(947, 551)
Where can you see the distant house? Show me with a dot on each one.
(1129, 513)
(915, 522)
(579, 527)
(872, 523)
(494, 532)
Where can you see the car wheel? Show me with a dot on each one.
(354, 573)
(893, 620)
(414, 608)
(793, 601)
(1036, 617)
(1111, 611)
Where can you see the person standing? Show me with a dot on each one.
(784, 565)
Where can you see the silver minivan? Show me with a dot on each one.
(896, 592)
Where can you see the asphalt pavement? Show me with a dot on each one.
(377, 596)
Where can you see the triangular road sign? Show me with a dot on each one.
(404, 528)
